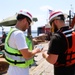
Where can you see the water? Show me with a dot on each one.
(34, 33)
(0, 34)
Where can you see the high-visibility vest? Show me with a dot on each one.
(13, 56)
(69, 54)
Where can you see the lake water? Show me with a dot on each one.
(34, 33)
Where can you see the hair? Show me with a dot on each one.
(21, 17)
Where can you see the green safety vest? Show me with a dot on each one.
(13, 56)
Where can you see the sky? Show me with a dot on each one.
(38, 8)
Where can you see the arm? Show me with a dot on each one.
(53, 51)
(51, 58)
(21, 45)
(27, 54)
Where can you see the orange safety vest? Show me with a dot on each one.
(69, 53)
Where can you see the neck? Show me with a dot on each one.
(18, 26)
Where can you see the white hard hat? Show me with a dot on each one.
(26, 13)
(54, 15)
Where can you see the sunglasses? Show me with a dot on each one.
(29, 22)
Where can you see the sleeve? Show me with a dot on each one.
(56, 45)
(20, 41)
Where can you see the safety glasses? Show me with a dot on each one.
(29, 22)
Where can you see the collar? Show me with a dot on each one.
(64, 28)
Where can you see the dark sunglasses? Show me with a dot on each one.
(29, 22)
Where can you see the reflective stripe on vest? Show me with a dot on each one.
(13, 56)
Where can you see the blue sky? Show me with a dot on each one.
(38, 8)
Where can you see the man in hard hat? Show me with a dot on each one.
(61, 52)
(18, 48)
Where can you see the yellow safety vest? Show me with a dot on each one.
(13, 56)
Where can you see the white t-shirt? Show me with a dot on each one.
(17, 41)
